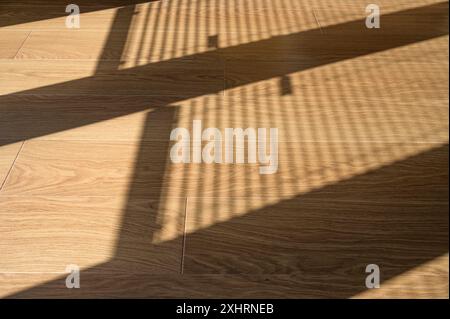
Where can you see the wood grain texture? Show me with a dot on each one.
(11, 42)
(192, 16)
(170, 286)
(177, 79)
(44, 234)
(208, 286)
(330, 234)
(97, 118)
(363, 149)
(83, 168)
(89, 45)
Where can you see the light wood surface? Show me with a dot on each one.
(11, 42)
(85, 119)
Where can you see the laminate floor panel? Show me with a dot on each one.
(83, 231)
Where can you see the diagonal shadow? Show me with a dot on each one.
(135, 248)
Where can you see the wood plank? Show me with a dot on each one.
(115, 234)
(82, 168)
(237, 73)
(427, 284)
(89, 168)
(177, 78)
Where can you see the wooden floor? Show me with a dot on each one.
(85, 174)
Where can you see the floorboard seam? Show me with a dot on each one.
(21, 46)
(11, 168)
(183, 247)
(317, 20)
